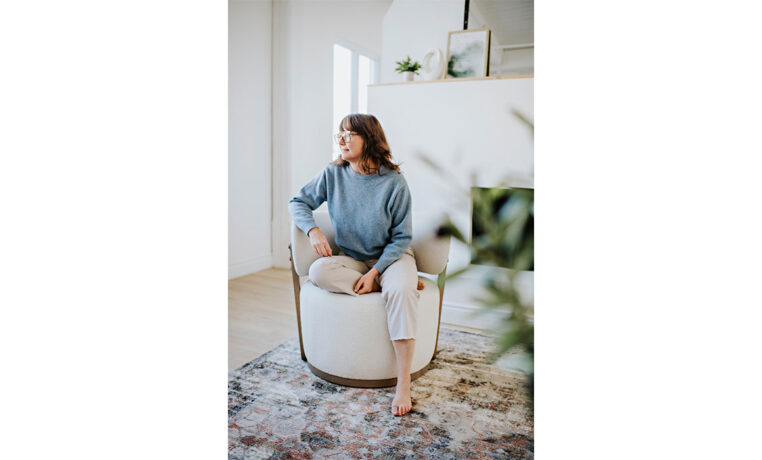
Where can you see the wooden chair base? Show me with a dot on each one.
(358, 383)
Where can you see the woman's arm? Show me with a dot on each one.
(309, 198)
(402, 228)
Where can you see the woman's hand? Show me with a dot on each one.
(365, 284)
(320, 243)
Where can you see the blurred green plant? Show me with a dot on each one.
(506, 239)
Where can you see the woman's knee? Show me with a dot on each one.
(319, 271)
(406, 287)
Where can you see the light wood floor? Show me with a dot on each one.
(262, 315)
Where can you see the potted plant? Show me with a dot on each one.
(407, 68)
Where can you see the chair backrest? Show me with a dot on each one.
(431, 251)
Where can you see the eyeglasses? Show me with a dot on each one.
(346, 135)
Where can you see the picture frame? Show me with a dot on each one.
(468, 53)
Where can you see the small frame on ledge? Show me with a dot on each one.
(468, 53)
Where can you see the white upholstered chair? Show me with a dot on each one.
(345, 339)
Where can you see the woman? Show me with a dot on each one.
(370, 206)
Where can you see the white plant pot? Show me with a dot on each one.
(408, 76)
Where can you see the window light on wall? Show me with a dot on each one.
(352, 73)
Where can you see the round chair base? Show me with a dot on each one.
(345, 339)
(363, 383)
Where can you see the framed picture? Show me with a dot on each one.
(468, 53)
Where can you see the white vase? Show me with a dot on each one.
(407, 76)
(433, 65)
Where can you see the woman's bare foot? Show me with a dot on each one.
(402, 404)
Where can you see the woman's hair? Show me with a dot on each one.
(375, 149)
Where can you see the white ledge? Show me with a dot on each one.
(451, 80)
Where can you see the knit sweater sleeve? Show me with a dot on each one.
(309, 198)
(401, 232)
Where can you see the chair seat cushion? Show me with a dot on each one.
(347, 336)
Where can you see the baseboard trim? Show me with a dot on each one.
(250, 266)
(466, 316)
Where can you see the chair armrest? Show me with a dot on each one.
(431, 253)
(301, 248)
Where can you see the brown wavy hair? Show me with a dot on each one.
(375, 149)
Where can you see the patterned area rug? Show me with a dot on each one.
(462, 408)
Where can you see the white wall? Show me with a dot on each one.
(249, 136)
(412, 27)
(304, 33)
(468, 129)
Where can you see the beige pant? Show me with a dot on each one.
(398, 287)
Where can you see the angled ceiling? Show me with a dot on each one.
(511, 21)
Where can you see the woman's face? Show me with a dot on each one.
(351, 151)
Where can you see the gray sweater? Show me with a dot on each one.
(371, 214)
